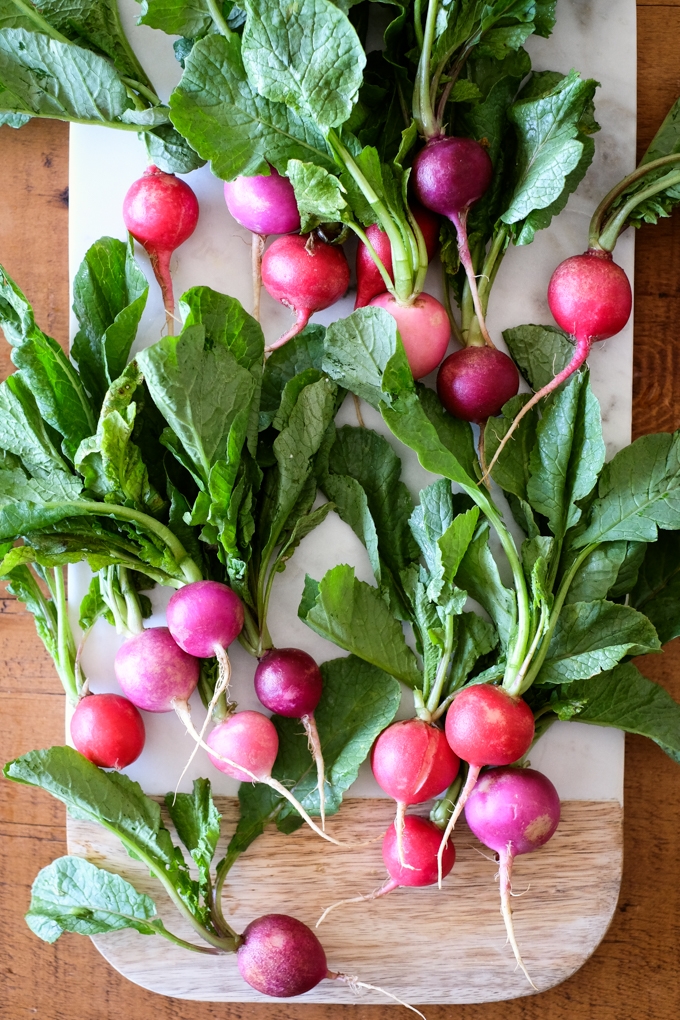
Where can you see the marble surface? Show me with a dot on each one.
(584, 762)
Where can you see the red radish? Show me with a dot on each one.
(590, 297)
(154, 672)
(305, 274)
(289, 682)
(369, 279)
(449, 175)
(421, 840)
(474, 383)
(108, 730)
(485, 726)
(280, 956)
(512, 811)
(412, 762)
(424, 328)
(263, 204)
(161, 212)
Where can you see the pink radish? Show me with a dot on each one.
(423, 327)
(475, 382)
(161, 212)
(485, 726)
(154, 672)
(420, 840)
(289, 682)
(412, 762)
(108, 730)
(280, 956)
(449, 175)
(590, 297)
(304, 274)
(512, 811)
(369, 279)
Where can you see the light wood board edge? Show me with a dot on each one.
(423, 945)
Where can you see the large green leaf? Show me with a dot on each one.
(657, 592)
(364, 354)
(303, 352)
(478, 575)
(197, 821)
(540, 352)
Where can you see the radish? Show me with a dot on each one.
(475, 382)
(512, 811)
(485, 726)
(421, 840)
(108, 730)
(161, 212)
(369, 280)
(412, 762)
(424, 328)
(264, 204)
(154, 672)
(304, 274)
(280, 956)
(289, 682)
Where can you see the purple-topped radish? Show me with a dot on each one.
(108, 730)
(474, 383)
(288, 681)
(420, 844)
(263, 204)
(154, 672)
(512, 811)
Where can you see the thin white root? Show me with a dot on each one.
(388, 887)
(354, 983)
(314, 743)
(473, 773)
(399, 826)
(221, 687)
(357, 409)
(257, 250)
(505, 873)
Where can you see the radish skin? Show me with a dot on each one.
(424, 329)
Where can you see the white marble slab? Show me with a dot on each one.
(584, 762)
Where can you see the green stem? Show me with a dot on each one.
(610, 234)
(421, 260)
(217, 16)
(492, 264)
(363, 237)
(455, 328)
(142, 89)
(188, 945)
(611, 196)
(40, 22)
(133, 613)
(65, 645)
(418, 21)
(443, 668)
(117, 125)
(129, 52)
(136, 101)
(423, 109)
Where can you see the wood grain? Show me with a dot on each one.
(634, 971)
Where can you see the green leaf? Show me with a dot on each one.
(568, 455)
(364, 354)
(540, 352)
(473, 638)
(303, 352)
(306, 55)
(197, 821)
(71, 894)
(24, 586)
(93, 607)
(657, 592)
(639, 491)
(598, 573)
(319, 195)
(357, 703)
(511, 470)
(354, 616)
(626, 700)
(109, 296)
(225, 120)
(591, 637)
(177, 17)
(44, 78)
(478, 575)
(169, 151)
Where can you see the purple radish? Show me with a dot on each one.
(264, 205)
(412, 762)
(475, 382)
(450, 175)
(590, 297)
(485, 726)
(161, 212)
(421, 839)
(512, 811)
(289, 682)
(154, 672)
(108, 730)
(304, 274)
(424, 329)
(280, 956)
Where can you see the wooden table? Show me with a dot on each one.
(635, 971)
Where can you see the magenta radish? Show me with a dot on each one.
(108, 730)
(161, 212)
(423, 327)
(420, 841)
(288, 681)
(485, 726)
(512, 811)
(412, 762)
(369, 279)
(475, 382)
(263, 204)
(154, 672)
(305, 274)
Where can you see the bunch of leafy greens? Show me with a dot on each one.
(70, 60)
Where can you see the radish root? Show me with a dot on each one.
(388, 887)
(314, 744)
(470, 783)
(354, 983)
(221, 687)
(257, 250)
(506, 858)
